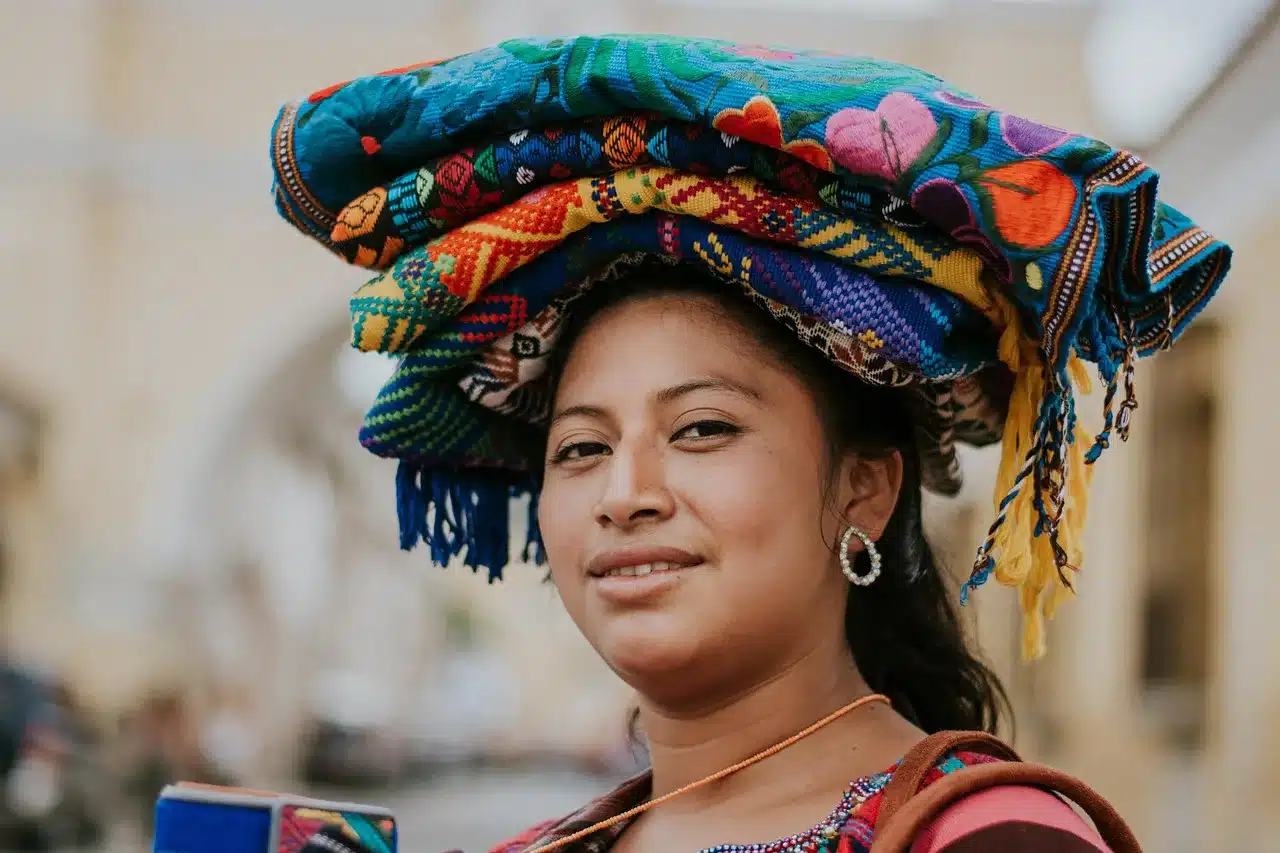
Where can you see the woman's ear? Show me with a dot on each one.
(869, 490)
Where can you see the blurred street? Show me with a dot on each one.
(472, 813)
(200, 571)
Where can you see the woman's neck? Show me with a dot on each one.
(687, 745)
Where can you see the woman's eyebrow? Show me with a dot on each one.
(584, 411)
(665, 396)
(715, 383)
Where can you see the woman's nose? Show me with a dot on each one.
(635, 490)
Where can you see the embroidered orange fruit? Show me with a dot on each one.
(1032, 199)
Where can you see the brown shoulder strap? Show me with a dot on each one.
(897, 835)
(909, 775)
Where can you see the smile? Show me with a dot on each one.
(640, 562)
(642, 570)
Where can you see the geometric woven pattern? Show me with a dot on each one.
(488, 188)
(428, 285)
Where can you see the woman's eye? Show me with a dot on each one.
(580, 450)
(706, 429)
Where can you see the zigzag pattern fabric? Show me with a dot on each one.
(913, 233)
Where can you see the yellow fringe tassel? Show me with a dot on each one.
(1022, 559)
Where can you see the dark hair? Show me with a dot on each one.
(904, 631)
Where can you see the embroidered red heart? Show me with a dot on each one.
(757, 121)
(370, 145)
(559, 170)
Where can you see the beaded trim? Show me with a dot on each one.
(824, 837)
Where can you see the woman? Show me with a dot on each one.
(702, 469)
(725, 364)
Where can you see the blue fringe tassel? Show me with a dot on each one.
(533, 549)
(465, 513)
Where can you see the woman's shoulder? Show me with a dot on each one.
(1006, 818)
(1010, 819)
(630, 793)
(524, 839)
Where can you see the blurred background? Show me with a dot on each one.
(199, 574)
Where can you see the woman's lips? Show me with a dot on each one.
(640, 584)
(640, 561)
(641, 570)
(634, 575)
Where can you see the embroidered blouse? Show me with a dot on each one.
(1010, 819)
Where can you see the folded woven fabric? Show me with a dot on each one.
(438, 411)
(375, 228)
(1065, 210)
(429, 285)
(876, 176)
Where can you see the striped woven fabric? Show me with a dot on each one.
(435, 282)
(489, 188)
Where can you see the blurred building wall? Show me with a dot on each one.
(161, 325)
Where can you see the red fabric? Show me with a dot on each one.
(1001, 805)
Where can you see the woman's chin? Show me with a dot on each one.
(642, 646)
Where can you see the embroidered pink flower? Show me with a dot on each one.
(884, 141)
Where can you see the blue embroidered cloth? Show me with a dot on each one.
(1056, 250)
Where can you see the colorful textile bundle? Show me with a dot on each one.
(915, 235)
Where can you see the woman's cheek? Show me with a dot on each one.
(563, 520)
(743, 496)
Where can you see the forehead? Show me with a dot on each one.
(642, 344)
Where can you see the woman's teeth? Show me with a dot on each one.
(641, 570)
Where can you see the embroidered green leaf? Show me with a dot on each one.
(798, 120)
(604, 55)
(533, 54)
(1079, 158)
(751, 78)
(641, 72)
(578, 91)
(979, 129)
(830, 193)
(550, 78)
(711, 99)
(674, 60)
(825, 98)
(970, 167)
(304, 117)
(691, 105)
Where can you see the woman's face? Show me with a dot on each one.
(683, 506)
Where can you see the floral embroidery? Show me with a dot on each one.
(961, 101)
(758, 121)
(943, 203)
(1032, 201)
(885, 141)
(759, 51)
(1029, 137)
(329, 91)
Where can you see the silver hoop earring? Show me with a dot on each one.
(846, 562)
